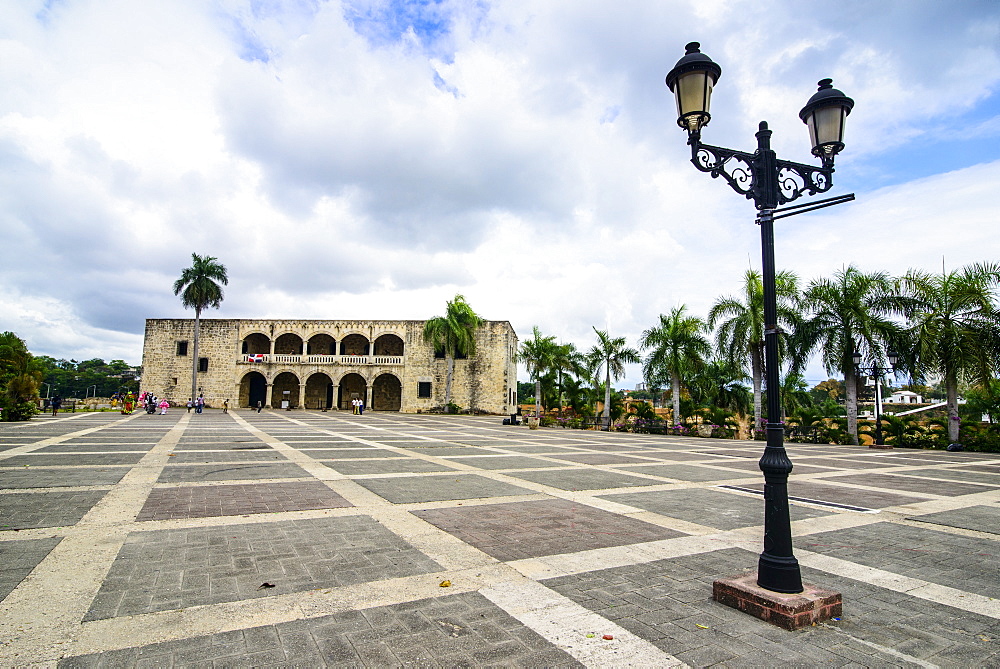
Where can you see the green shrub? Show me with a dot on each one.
(981, 438)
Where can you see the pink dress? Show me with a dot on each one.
(164, 404)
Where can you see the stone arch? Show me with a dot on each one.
(253, 389)
(288, 344)
(256, 343)
(388, 344)
(321, 344)
(351, 385)
(282, 382)
(387, 393)
(319, 391)
(354, 344)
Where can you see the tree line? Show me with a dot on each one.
(945, 327)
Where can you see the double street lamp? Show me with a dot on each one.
(877, 372)
(769, 182)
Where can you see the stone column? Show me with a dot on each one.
(368, 398)
(335, 400)
(267, 398)
(302, 396)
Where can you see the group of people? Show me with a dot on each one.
(359, 406)
(197, 404)
(148, 400)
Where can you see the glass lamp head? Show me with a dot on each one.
(691, 81)
(825, 115)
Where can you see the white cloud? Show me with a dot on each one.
(526, 157)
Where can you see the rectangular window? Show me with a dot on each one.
(202, 364)
(182, 348)
(423, 388)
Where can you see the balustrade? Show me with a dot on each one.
(283, 358)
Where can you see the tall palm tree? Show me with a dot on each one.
(566, 360)
(954, 327)
(455, 333)
(718, 384)
(740, 321)
(678, 345)
(611, 353)
(537, 354)
(199, 289)
(850, 312)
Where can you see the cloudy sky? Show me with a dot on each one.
(372, 158)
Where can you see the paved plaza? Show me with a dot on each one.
(314, 538)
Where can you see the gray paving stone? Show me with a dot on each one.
(530, 529)
(714, 633)
(584, 479)
(19, 511)
(42, 477)
(430, 632)
(404, 490)
(715, 508)
(916, 552)
(386, 466)
(18, 558)
(340, 551)
(230, 472)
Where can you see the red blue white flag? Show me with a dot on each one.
(256, 357)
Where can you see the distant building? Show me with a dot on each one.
(323, 364)
(639, 387)
(905, 397)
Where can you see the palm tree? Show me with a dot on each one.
(717, 384)
(566, 360)
(537, 354)
(850, 313)
(740, 334)
(611, 353)
(455, 334)
(199, 289)
(678, 345)
(954, 327)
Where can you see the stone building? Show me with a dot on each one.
(319, 364)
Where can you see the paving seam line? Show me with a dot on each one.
(45, 610)
(51, 441)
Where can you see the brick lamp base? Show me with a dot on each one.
(791, 612)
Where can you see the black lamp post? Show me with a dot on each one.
(877, 372)
(769, 182)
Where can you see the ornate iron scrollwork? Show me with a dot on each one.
(796, 180)
(739, 168)
(736, 167)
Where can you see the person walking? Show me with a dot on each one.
(164, 405)
(260, 405)
(56, 404)
(199, 404)
(361, 407)
(225, 405)
(190, 404)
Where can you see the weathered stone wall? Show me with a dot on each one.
(485, 382)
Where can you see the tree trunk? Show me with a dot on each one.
(194, 353)
(607, 399)
(757, 372)
(675, 390)
(851, 401)
(538, 396)
(954, 424)
(450, 362)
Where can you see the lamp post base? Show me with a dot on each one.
(789, 611)
(883, 447)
